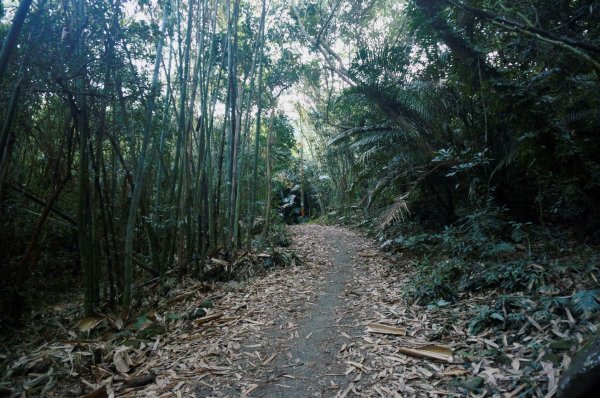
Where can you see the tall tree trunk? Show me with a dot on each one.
(180, 158)
(12, 37)
(250, 220)
(84, 203)
(9, 118)
(214, 200)
(141, 166)
(268, 176)
(234, 128)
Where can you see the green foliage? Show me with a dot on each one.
(279, 235)
(281, 257)
(586, 301)
(510, 276)
(418, 243)
(485, 318)
(438, 280)
(142, 167)
(284, 143)
(459, 113)
(446, 279)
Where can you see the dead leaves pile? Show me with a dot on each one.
(214, 342)
(524, 362)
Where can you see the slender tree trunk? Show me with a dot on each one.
(220, 162)
(268, 176)
(84, 203)
(141, 166)
(214, 195)
(250, 220)
(12, 37)
(180, 158)
(9, 118)
(234, 131)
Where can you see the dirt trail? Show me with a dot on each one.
(310, 365)
(299, 331)
(296, 332)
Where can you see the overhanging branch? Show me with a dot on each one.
(526, 27)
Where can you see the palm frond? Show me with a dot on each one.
(586, 115)
(586, 301)
(380, 138)
(370, 152)
(396, 212)
(357, 130)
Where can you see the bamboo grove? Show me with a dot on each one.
(134, 134)
(141, 138)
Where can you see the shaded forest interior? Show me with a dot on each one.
(148, 143)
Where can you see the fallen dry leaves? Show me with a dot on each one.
(383, 346)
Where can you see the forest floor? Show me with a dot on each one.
(334, 324)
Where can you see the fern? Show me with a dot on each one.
(483, 222)
(586, 301)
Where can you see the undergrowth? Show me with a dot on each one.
(518, 268)
(521, 271)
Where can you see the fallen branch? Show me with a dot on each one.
(140, 381)
(208, 318)
(41, 202)
(430, 352)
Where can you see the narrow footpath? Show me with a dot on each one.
(299, 331)
(309, 360)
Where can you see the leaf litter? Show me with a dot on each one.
(238, 338)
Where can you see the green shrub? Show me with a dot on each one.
(434, 281)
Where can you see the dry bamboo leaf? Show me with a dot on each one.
(425, 372)
(88, 324)
(429, 351)
(534, 323)
(491, 343)
(220, 262)
(569, 316)
(515, 364)
(342, 394)
(250, 388)
(122, 361)
(268, 360)
(385, 329)
(454, 372)
(358, 366)
(208, 318)
(516, 391)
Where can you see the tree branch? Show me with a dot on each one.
(528, 27)
(326, 51)
(41, 202)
